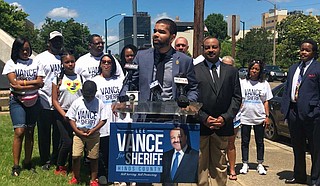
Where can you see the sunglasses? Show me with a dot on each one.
(106, 62)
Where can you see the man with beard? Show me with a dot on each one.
(185, 158)
(220, 94)
(162, 63)
(88, 64)
(49, 61)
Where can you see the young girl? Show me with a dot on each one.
(65, 89)
(25, 79)
(254, 113)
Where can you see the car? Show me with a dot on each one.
(243, 72)
(278, 124)
(273, 72)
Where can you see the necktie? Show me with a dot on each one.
(215, 76)
(175, 165)
(303, 65)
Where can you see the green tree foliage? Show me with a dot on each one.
(14, 21)
(75, 35)
(291, 32)
(216, 25)
(257, 44)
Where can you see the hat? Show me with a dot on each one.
(54, 34)
(89, 88)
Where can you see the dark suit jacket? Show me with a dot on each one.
(142, 78)
(187, 171)
(308, 102)
(225, 101)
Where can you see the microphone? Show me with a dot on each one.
(131, 66)
(181, 81)
(156, 90)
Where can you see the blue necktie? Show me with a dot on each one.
(175, 165)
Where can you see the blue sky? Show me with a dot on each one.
(93, 12)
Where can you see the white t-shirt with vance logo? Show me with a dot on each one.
(108, 90)
(87, 114)
(24, 70)
(51, 65)
(88, 66)
(254, 94)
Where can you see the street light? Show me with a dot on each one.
(274, 30)
(106, 28)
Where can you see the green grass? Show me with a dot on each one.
(26, 177)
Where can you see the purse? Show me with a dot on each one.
(28, 100)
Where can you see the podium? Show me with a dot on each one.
(159, 111)
(139, 149)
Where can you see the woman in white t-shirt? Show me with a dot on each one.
(254, 113)
(66, 88)
(108, 87)
(25, 79)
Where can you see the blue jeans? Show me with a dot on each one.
(22, 116)
(245, 140)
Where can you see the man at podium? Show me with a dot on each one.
(158, 66)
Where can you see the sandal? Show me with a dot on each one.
(233, 177)
(16, 170)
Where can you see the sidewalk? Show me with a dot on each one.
(278, 162)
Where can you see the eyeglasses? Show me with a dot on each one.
(98, 43)
(106, 62)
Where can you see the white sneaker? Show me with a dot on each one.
(244, 169)
(261, 170)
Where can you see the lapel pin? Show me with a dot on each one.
(177, 62)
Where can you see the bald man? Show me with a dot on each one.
(181, 45)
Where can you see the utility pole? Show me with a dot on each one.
(233, 38)
(274, 33)
(134, 10)
(198, 27)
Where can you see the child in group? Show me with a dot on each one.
(87, 115)
(65, 89)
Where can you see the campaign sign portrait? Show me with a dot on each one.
(146, 152)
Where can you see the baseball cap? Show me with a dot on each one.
(54, 34)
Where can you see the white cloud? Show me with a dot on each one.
(160, 16)
(112, 39)
(62, 12)
(19, 6)
(39, 25)
(313, 10)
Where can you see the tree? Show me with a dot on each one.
(216, 25)
(291, 32)
(14, 21)
(256, 45)
(75, 35)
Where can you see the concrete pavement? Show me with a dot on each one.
(278, 162)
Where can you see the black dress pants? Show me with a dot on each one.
(47, 121)
(300, 132)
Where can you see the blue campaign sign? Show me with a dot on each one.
(144, 152)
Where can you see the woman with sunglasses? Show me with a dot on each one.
(66, 88)
(108, 85)
(254, 113)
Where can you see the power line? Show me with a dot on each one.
(304, 5)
